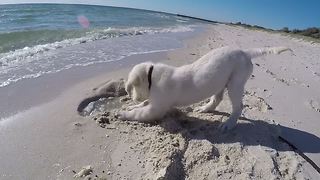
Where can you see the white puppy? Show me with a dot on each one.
(162, 87)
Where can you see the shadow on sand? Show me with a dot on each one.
(248, 132)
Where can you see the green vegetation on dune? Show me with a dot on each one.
(310, 34)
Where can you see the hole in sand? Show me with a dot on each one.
(102, 105)
(106, 97)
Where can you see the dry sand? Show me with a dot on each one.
(185, 144)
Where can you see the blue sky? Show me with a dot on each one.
(268, 13)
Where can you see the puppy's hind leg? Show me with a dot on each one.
(235, 88)
(235, 91)
(212, 104)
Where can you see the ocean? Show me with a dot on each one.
(38, 39)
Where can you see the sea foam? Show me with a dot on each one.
(33, 62)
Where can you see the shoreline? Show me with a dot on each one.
(58, 142)
(35, 91)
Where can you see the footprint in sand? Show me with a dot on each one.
(277, 78)
(286, 81)
(252, 101)
(316, 74)
(315, 105)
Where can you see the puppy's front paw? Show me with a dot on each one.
(122, 115)
(228, 125)
(202, 109)
(130, 108)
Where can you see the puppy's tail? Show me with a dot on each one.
(257, 52)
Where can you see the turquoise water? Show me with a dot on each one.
(33, 24)
(39, 39)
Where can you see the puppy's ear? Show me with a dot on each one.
(147, 69)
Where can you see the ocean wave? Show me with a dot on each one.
(33, 62)
(181, 20)
(12, 58)
(14, 40)
(69, 66)
(160, 15)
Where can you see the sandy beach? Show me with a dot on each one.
(277, 136)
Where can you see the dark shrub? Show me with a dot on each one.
(285, 29)
(295, 31)
(310, 31)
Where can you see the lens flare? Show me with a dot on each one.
(83, 21)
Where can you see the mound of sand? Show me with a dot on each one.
(189, 145)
